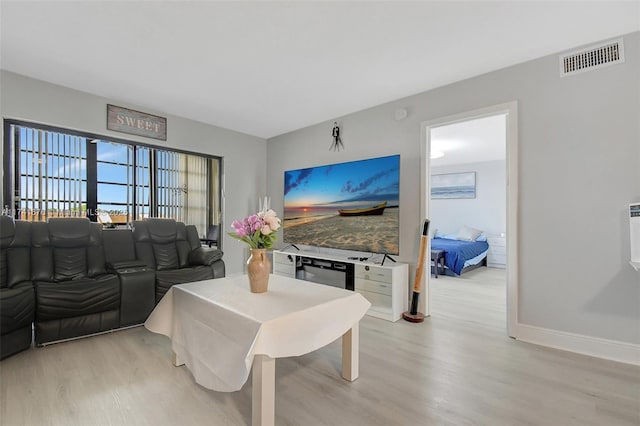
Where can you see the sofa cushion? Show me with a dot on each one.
(7, 231)
(15, 256)
(96, 263)
(70, 263)
(76, 298)
(4, 282)
(166, 256)
(162, 230)
(69, 232)
(17, 306)
(118, 245)
(18, 266)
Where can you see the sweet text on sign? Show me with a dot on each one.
(136, 123)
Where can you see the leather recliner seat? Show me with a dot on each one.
(17, 297)
(174, 250)
(75, 295)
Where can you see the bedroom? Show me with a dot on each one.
(468, 216)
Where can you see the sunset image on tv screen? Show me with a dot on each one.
(350, 206)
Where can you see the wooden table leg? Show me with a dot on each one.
(263, 391)
(350, 353)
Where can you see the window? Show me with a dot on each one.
(182, 186)
(115, 180)
(50, 174)
(56, 173)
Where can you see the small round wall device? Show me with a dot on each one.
(401, 114)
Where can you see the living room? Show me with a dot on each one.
(577, 171)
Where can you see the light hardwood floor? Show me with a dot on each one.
(456, 368)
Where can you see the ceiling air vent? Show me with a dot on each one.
(592, 57)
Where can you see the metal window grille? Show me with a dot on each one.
(143, 192)
(51, 169)
(170, 196)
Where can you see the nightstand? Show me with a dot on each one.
(497, 255)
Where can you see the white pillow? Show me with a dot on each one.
(467, 233)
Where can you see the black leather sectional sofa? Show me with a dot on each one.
(69, 277)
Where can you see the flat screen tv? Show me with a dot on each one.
(349, 206)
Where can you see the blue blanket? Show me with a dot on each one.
(457, 252)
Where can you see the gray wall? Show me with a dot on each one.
(579, 167)
(487, 212)
(40, 102)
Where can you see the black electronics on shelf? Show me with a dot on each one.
(328, 272)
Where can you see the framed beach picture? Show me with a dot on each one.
(453, 185)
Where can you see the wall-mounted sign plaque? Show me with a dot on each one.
(136, 123)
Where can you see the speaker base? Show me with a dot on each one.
(417, 317)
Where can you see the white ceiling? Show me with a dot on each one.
(472, 141)
(267, 68)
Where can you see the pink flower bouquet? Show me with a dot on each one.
(257, 230)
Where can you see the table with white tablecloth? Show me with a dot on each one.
(220, 330)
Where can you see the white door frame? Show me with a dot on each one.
(510, 109)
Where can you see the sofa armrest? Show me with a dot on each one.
(204, 256)
(218, 269)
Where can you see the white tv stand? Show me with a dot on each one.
(385, 286)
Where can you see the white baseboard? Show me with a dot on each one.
(628, 353)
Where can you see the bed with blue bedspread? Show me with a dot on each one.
(461, 256)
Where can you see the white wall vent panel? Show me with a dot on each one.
(592, 57)
(634, 233)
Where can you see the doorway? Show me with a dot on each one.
(504, 229)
